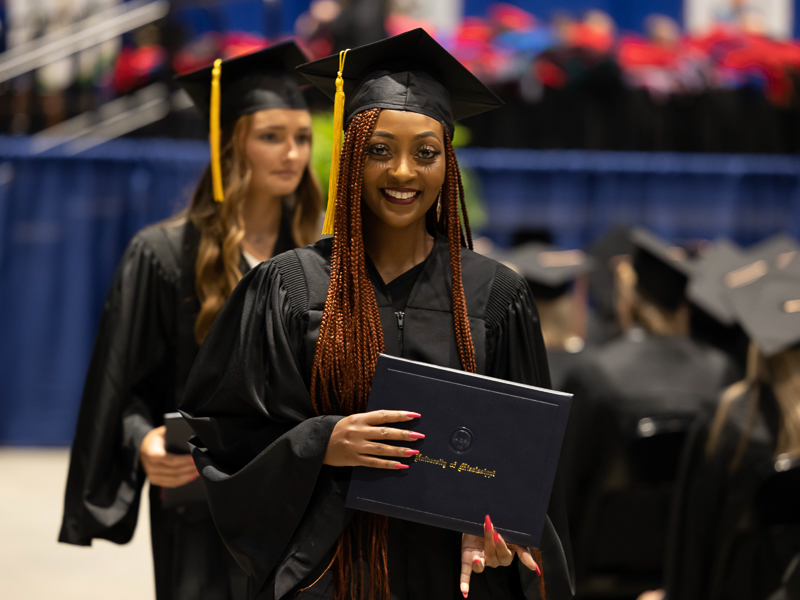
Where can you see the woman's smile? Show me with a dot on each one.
(400, 195)
(287, 173)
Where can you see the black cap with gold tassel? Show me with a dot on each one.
(409, 72)
(252, 82)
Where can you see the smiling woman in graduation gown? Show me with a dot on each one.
(262, 442)
(153, 321)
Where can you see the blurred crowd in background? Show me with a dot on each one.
(727, 81)
(571, 79)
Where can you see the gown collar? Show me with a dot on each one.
(433, 264)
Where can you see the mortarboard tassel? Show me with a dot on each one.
(214, 135)
(338, 118)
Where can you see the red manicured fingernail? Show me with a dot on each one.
(538, 570)
(411, 415)
(416, 436)
(476, 560)
(495, 536)
(487, 523)
(464, 594)
(410, 452)
(400, 466)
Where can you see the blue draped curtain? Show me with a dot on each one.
(578, 195)
(65, 221)
(64, 224)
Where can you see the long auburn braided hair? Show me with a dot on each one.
(350, 336)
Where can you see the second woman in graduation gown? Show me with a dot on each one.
(169, 286)
(278, 393)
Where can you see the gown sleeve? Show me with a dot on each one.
(517, 353)
(259, 446)
(129, 380)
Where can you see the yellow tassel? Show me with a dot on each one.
(214, 135)
(338, 118)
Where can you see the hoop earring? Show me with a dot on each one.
(439, 206)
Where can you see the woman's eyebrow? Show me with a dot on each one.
(425, 134)
(391, 136)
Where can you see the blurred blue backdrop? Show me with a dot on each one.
(65, 221)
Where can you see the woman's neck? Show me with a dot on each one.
(262, 223)
(394, 251)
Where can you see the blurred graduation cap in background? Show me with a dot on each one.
(728, 266)
(662, 270)
(706, 289)
(780, 251)
(260, 80)
(240, 86)
(548, 270)
(767, 304)
(720, 278)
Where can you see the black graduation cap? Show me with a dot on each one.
(728, 266)
(662, 270)
(409, 72)
(548, 270)
(768, 308)
(707, 289)
(252, 82)
(780, 251)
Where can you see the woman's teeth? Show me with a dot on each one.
(400, 195)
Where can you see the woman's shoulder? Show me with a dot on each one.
(482, 275)
(476, 265)
(304, 273)
(160, 245)
(314, 257)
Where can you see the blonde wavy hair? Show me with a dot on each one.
(782, 373)
(221, 225)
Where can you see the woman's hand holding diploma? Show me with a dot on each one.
(359, 439)
(164, 468)
(491, 550)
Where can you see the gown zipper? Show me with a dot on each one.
(400, 318)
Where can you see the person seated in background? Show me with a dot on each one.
(558, 281)
(735, 533)
(634, 400)
(610, 285)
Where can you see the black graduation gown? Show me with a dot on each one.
(260, 447)
(142, 357)
(790, 590)
(614, 386)
(716, 551)
(561, 364)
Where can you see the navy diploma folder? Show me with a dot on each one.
(491, 447)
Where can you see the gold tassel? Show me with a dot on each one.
(214, 135)
(338, 118)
